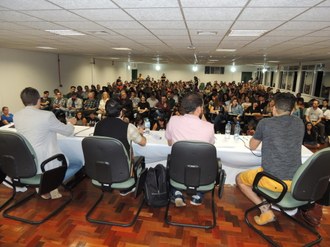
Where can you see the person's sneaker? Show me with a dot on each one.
(127, 191)
(179, 202)
(196, 200)
(290, 212)
(265, 218)
(178, 199)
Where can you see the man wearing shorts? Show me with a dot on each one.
(281, 138)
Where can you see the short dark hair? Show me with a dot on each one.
(30, 96)
(113, 108)
(190, 102)
(285, 101)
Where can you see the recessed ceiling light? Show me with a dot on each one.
(213, 60)
(46, 48)
(247, 32)
(65, 32)
(273, 61)
(114, 58)
(122, 49)
(207, 33)
(226, 50)
(191, 47)
(98, 32)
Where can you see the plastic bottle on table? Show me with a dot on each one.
(147, 126)
(227, 130)
(237, 131)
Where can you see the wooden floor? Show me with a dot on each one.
(70, 228)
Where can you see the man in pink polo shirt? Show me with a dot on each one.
(191, 126)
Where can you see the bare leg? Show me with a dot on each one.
(267, 215)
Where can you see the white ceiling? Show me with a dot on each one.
(298, 30)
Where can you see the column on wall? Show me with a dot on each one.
(299, 79)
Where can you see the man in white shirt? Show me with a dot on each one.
(40, 128)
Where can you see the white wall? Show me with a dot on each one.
(20, 69)
(175, 72)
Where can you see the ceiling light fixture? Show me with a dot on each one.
(129, 63)
(226, 50)
(233, 67)
(121, 48)
(157, 67)
(66, 32)
(264, 68)
(195, 68)
(46, 48)
(247, 33)
(207, 33)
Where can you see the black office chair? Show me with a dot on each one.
(309, 184)
(4, 180)
(108, 165)
(18, 161)
(194, 167)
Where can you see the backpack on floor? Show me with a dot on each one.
(156, 187)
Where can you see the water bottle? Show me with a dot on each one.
(237, 131)
(147, 126)
(228, 130)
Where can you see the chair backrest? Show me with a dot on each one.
(312, 177)
(190, 158)
(17, 157)
(106, 159)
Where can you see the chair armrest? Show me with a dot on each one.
(139, 162)
(256, 189)
(59, 157)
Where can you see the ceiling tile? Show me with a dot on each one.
(211, 14)
(54, 15)
(104, 14)
(213, 3)
(147, 3)
(283, 3)
(84, 4)
(256, 25)
(161, 14)
(16, 16)
(316, 14)
(270, 14)
(120, 24)
(27, 5)
(164, 24)
(209, 25)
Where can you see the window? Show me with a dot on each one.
(214, 70)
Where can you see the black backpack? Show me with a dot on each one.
(156, 187)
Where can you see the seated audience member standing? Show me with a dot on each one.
(6, 117)
(113, 126)
(40, 128)
(281, 137)
(191, 126)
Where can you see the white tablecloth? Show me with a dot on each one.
(234, 154)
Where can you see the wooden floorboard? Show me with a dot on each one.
(70, 228)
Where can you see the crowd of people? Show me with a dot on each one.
(243, 103)
(186, 111)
